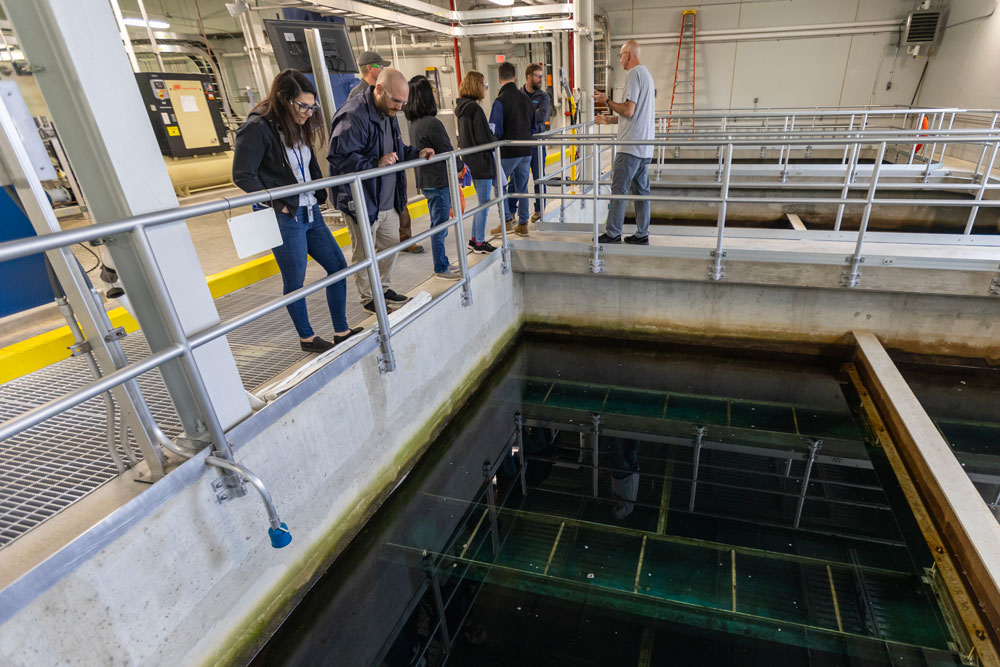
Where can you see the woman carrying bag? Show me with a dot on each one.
(274, 148)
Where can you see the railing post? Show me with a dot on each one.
(541, 175)
(562, 181)
(596, 263)
(456, 209)
(982, 189)
(982, 154)
(491, 506)
(717, 271)
(850, 128)
(788, 151)
(386, 360)
(848, 179)
(851, 276)
(502, 195)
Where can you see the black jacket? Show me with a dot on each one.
(429, 132)
(473, 130)
(356, 145)
(260, 161)
(518, 119)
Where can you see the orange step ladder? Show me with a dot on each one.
(684, 74)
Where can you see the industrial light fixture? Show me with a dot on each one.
(505, 3)
(139, 23)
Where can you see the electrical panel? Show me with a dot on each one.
(185, 111)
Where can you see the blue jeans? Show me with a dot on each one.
(517, 169)
(629, 174)
(484, 188)
(438, 204)
(299, 237)
(537, 169)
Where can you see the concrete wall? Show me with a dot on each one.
(833, 70)
(964, 69)
(196, 581)
(713, 312)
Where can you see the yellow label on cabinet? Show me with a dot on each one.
(173, 131)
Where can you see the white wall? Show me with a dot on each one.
(964, 70)
(833, 70)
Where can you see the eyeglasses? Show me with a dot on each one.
(305, 108)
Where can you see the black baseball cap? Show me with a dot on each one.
(372, 58)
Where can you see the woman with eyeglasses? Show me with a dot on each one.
(274, 148)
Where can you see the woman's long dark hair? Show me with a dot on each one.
(421, 101)
(277, 107)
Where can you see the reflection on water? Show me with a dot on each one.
(735, 516)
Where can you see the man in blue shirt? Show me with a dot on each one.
(513, 117)
(534, 80)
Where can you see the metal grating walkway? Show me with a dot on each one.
(45, 468)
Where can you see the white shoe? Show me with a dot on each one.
(447, 275)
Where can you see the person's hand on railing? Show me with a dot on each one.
(426, 153)
(388, 159)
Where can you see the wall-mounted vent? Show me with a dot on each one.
(923, 28)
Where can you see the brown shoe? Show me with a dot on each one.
(521, 230)
(535, 217)
(510, 228)
(415, 249)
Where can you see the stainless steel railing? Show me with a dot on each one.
(841, 131)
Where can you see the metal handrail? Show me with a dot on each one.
(727, 140)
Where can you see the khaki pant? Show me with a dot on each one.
(385, 230)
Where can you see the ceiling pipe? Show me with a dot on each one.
(746, 34)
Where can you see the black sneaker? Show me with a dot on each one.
(392, 295)
(483, 248)
(370, 306)
(607, 238)
(337, 340)
(637, 240)
(317, 344)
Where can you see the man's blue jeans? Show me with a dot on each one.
(537, 169)
(439, 204)
(517, 169)
(629, 174)
(300, 237)
(484, 188)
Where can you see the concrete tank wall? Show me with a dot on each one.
(197, 582)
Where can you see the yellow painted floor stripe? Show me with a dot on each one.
(45, 349)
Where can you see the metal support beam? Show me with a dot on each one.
(852, 276)
(814, 447)
(459, 231)
(491, 506)
(386, 360)
(519, 434)
(595, 434)
(699, 434)
(327, 105)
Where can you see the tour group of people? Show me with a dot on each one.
(274, 149)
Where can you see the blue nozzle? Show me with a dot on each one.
(280, 537)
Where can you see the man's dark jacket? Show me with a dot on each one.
(356, 145)
(518, 119)
(261, 163)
